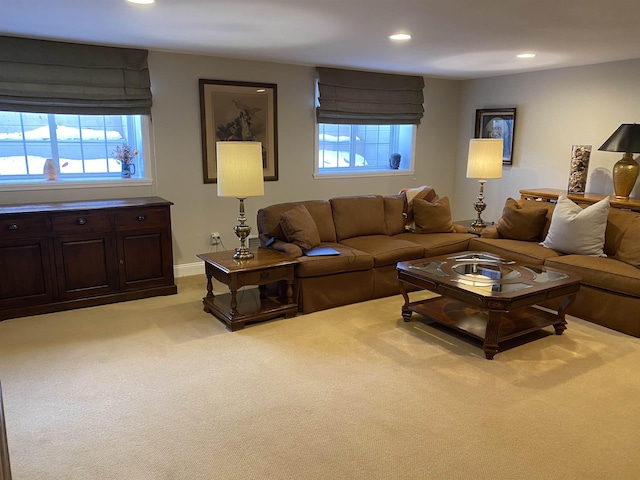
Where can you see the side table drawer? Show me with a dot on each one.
(262, 277)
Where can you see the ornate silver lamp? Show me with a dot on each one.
(239, 169)
(484, 161)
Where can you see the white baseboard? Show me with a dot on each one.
(188, 269)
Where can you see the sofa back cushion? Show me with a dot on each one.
(629, 249)
(394, 214)
(320, 211)
(618, 222)
(359, 215)
(299, 227)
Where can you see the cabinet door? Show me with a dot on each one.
(144, 248)
(85, 255)
(25, 272)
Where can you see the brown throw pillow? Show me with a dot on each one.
(629, 250)
(432, 217)
(299, 228)
(519, 223)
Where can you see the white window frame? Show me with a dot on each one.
(95, 182)
(362, 172)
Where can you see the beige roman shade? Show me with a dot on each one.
(58, 77)
(368, 98)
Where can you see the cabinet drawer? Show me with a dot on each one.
(143, 217)
(269, 275)
(81, 222)
(22, 226)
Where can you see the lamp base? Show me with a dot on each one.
(625, 174)
(479, 206)
(242, 231)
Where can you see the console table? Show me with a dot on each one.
(63, 255)
(551, 195)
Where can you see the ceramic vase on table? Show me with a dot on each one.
(580, 155)
(50, 169)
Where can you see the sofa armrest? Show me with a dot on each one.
(290, 249)
(490, 232)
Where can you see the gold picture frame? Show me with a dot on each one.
(238, 111)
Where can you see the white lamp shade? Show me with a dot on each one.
(239, 169)
(485, 158)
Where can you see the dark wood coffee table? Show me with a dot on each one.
(487, 297)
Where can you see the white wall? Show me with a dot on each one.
(555, 110)
(197, 210)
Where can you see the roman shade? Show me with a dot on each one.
(368, 98)
(57, 77)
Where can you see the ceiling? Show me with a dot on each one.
(451, 38)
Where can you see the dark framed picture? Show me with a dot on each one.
(238, 111)
(498, 123)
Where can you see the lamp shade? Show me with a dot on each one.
(485, 158)
(239, 168)
(625, 139)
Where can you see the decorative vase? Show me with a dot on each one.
(580, 155)
(50, 169)
(128, 169)
(625, 174)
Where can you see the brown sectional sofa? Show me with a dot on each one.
(369, 232)
(610, 289)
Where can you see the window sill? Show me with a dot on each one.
(352, 174)
(67, 184)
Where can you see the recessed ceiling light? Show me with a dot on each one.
(142, 2)
(400, 36)
(526, 55)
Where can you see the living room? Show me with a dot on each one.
(556, 108)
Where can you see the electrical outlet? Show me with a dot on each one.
(214, 238)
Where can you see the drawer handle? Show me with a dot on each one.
(264, 275)
(141, 218)
(81, 221)
(12, 226)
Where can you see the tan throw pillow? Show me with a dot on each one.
(299, 228)
(575, 230)
(432, 217)
(629, 250)
(519, 223)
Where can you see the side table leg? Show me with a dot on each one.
(289, 292)
(234, 303)
(209, 296)
(491, 335)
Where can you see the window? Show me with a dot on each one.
(358, 149)
(80, 145)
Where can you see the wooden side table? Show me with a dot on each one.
(251, 305)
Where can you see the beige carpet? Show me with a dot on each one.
(158, 389)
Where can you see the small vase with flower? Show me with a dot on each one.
(124, 156)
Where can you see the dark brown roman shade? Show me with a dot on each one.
(367, 98)
(57, 77)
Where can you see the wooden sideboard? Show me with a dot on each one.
(551, 195)
(59, 256)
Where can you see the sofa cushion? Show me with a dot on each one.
(618, 221)
(601, 272)
(424, 193)
(576, 230)
(384, 249)
(394, 214)
(518, 223)
(439, 243)
(349, 260)
(432, 217)
(299, 228)
(320, 210)
(525, 252)
(629, 250)
(358, 215)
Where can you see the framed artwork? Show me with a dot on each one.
(238, 111)
(498, 123)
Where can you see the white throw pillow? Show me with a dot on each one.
(578, 230)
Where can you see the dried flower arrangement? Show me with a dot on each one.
(125, 154)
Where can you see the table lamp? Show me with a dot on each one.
(625, 139)
(240, 175)
(484, 161)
